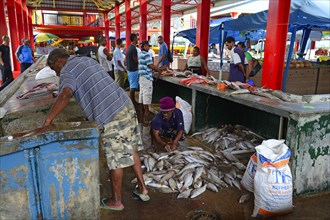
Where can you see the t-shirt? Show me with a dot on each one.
(152, 53)
(163, 49)
(98, 95)
(5, 54)
(118, 56)
(144, 61)
(236, 57)
(131, 52)
(175, 122)
(248, 56)
(104, 62)
(25, 54)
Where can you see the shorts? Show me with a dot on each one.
(133, 79)
(119, 78)
(145, 95)
(121, 138)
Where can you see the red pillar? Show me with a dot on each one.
(117, 20)
(128, 22)
(19, 16)
(25, 19)
(3, 25)
(30, 14)
(143, 15)
(203, 27)
(166, 21)
(14, 41)
(84, 18)
(106, 29)
(312, 45)
(277, 29)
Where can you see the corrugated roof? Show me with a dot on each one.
(74, 5)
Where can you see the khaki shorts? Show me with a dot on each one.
(121, 138)
(119, 78)
(145, 95)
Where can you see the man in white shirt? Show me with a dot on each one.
(152, 54)
(104, 57)
(119, 64)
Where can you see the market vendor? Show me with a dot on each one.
(195, 63)
(237, 60)
(167, 126)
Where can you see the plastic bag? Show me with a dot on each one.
(185, 107)
(248, 178)
(273, 180)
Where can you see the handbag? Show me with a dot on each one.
(256, 67)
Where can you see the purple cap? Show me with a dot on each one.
(166, 104)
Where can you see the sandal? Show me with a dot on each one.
(142, 197)
(104, 206)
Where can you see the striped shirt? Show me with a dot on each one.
(144, 61)
(98, 95)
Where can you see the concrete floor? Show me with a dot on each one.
(224, 204)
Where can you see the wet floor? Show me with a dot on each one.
(222, 205)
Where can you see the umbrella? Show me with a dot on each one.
(42, 37)
(87, 39)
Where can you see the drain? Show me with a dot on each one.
(202, 215)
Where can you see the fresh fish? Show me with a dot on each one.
(237, 184)
(157, 185)
(206, 157)
(189, 166)
(185, 194)
(249, 144)
(146, 163)
(172, 184)
(197, 192)
(239, 176)
(196, 148)
(239, 91)
(235, 152)
(230, 157)
(167, 190)
(212, 187)
(198, 173)
(228, 181)
(155, 155)
(151, 162)
(195, 159)
(188, 181)
(163, 157)
(160, 165)
(181, 177)
(240, 166)
(198, 184)
(244, 198)
(167, 176)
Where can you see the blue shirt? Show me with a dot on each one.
(163, 49)
(98, 95)
(25, 54)
(176, 121)
(144, 61)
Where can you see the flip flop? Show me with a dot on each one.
(142, 197)
(110, 208)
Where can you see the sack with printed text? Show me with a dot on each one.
(273, 180)
(185, 108)
(248, 178)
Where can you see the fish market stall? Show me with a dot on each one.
(304, 125)
(46, 174)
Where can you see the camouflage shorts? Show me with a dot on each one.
(121, 138)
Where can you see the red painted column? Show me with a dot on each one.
(14, 38)
(117, 20)
(312, 45)
(166, 21)
(3, 25)
(128, 22)
(277, 29)
(25, 19)
(143, 16)
(84, 18)
(19, 16)
(30, 14)
(203, 28)
(106, 29)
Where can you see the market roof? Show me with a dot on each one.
(73, 5)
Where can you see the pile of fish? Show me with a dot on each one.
(198, 79)
(190, 172)
(245, 88)
(230, 139)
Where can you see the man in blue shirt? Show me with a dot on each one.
(237, 60)
(24, 55)
(167, 124)
(145, 80)
(162, 54)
